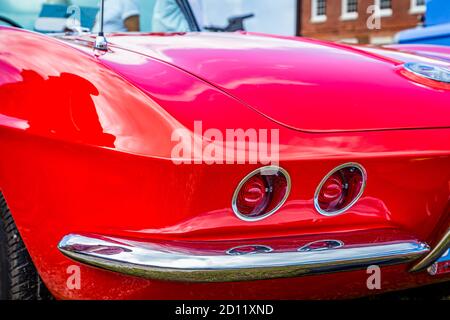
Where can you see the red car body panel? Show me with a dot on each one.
(86, 148)
(299, 72)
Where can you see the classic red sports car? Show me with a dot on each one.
(121, 175)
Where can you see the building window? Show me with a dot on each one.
(385, 4)
(384, 7)
(418, 6)
(349, 9)
(379, 41)
(319, 10)
(349, 40)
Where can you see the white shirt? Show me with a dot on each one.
(197, 8)
(116, 12)
(168, 17)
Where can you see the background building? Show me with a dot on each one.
(347, 20)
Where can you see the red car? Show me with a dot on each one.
(120, 173)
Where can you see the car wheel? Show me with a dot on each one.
(19, 279)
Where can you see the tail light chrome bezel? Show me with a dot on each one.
(261, 170)
(353, 202)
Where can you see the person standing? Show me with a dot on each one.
(119, 16)
(168, 16)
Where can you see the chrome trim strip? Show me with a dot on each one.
(261, 248)
(175, 262)
(339, 244)
(243, 181)
(437, 73)
(319, 187)
(435, 254)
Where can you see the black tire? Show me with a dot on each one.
(19, 279)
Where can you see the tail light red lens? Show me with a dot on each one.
(253, 197)
(261, 193)
(340, 189)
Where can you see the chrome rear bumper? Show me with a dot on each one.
(435, 254)
(210, 262)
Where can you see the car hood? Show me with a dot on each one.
(306, 84)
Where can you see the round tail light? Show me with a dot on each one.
(261, 193)
(340, 189)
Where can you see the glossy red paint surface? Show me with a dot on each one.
(86, 147)
(303, 84)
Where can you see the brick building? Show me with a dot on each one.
(347, 20)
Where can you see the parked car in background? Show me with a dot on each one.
(436, 28)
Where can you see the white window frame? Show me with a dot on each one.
(382, 12)
(345, 15)
(381, 40)
(349, 40)
(314, 17)
(416, 9)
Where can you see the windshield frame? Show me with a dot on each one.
(188, 13)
